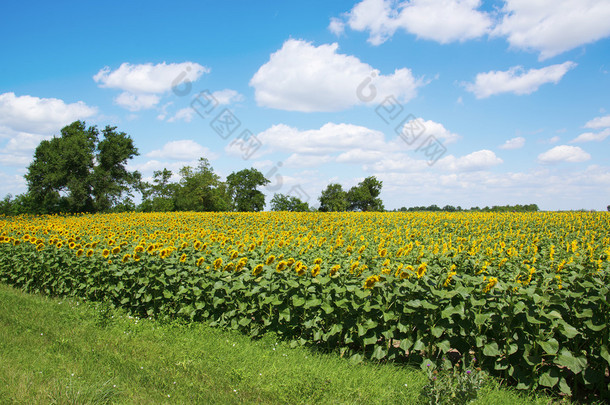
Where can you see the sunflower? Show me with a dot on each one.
(315, 271)
(183, 258)
(421, 270)
(281, 265)
(116, 250)
(126, 257)
(105, 253)
(270, 259)
(200, 261)
(334, 270)
(257, 270)
(217, 263)
(371, 280)
(79, 252)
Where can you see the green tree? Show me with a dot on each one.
(364, 196)
(200, 189)
(160, 195)
(282, 202)
(333, 198)
(75, 172)
(242, 188)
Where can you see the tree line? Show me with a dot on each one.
(84, 170)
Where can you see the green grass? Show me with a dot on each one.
(69, 352)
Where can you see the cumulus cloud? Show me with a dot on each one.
(39, 115)
(442, 21)
(564, 153)
(514, 143)
(182, 150)
(592, 136)
(143, 84)
(599, 122)
(479, 160)
(303, 77)
(549, 27)
(552, 27)
(516, 80)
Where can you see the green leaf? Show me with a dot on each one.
(567, 359)
(550, 378)
(445, 346)
(491, 350)
(564, 387)
(593, 327)
(604, 353)
(298, 301)
(379, 353)
(550, 346)
(437, 331)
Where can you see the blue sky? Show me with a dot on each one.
(459, 102)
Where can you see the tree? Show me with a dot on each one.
(608, 208)
(75, 172)
(282, 202)
(242, 188)
(200, 189)
(333, 198)
(159, 196)
(364, 196)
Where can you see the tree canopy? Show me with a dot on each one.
(282, 202)
(78, 172)
(242, 188)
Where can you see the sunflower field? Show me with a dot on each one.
(527, 295)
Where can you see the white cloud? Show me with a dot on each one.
(599, 122)
(590, 136)
(564, 153)
(303, 77)
(336, 26)
(516, 80)
(137, 102)
(149, 78)
(185, 114)
(39, 115)
(442, 21)
(552, 27)
(360, 156)
(479, 160)
(143, 84)
(182, 150)
(437, 130)
(329, 138)
(227, 96)
(514, 143)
